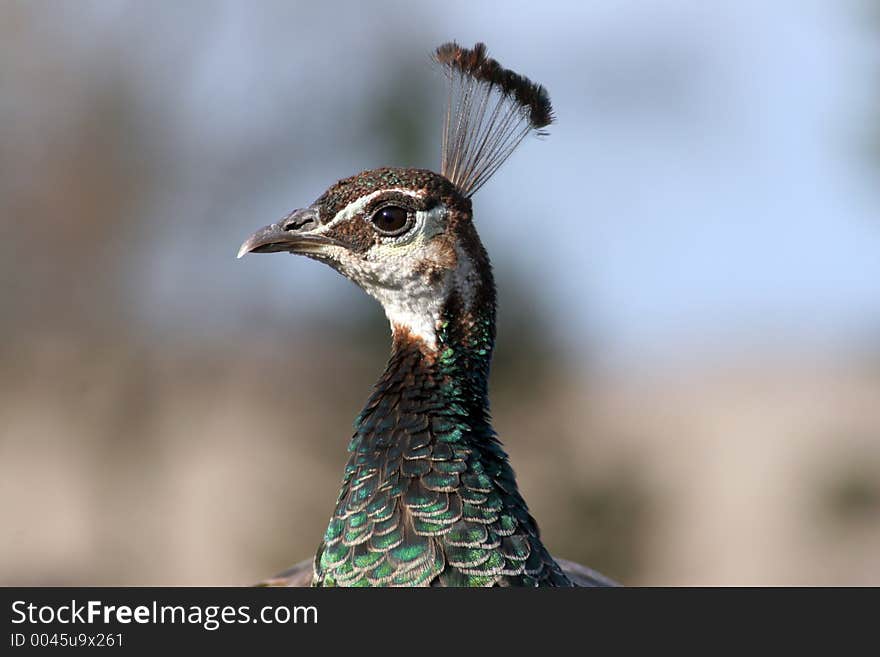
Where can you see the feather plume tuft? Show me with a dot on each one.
(489, 111)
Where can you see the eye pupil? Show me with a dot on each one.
(391, 219)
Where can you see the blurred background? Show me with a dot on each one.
(688, 367)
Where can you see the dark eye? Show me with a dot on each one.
(391, 220)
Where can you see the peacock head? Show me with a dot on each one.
(406, 236)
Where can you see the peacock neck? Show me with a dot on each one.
(428, 495)
(459, 360)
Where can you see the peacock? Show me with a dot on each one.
(428, 497)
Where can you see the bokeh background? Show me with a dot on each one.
(688, 367)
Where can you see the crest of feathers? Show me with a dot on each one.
(489, 111)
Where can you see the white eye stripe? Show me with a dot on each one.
(357, 206)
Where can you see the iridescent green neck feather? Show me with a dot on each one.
(428, 497)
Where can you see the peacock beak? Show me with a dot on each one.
(296, 233)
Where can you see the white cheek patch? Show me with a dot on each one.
(393, 272)
(396, 271)
(417, 309)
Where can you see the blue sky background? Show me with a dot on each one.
(707, 186)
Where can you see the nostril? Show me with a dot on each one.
(297, 219)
